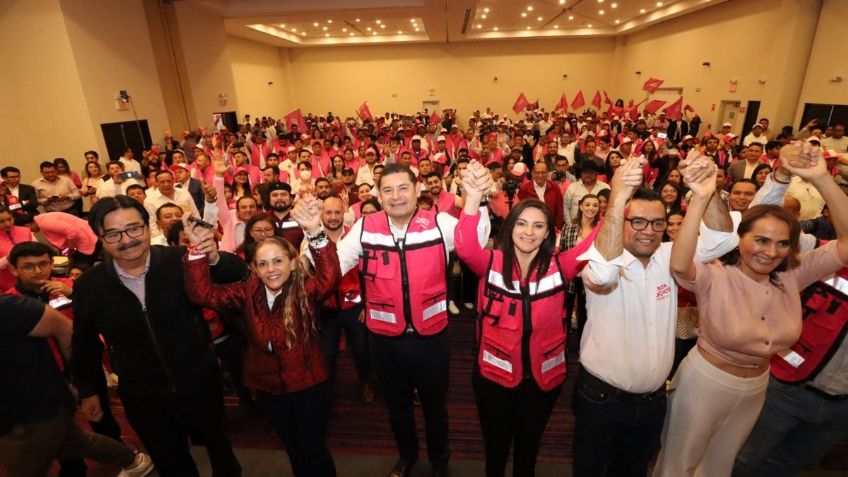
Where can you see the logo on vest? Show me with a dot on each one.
(663, 291)
(422, 221)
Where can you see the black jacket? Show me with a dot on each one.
(152, 347)
(26, 193)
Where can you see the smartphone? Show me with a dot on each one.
(200, 222)
(662, 135)
(130, 175)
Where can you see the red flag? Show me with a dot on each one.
(607, 99)
(533, 106)
(672, 112)
(652, 84)
(296, 117)
(562, 105)
(578, 101)
(654, 106)
(364, 112)
(634, 113)
(596, 101)
(520, 103)
(434, 118)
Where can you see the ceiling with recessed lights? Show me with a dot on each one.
(304, 23)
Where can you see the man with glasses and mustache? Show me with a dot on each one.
(158, 342)
(627, 347)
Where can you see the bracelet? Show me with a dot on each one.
(787, 182)
(318, 241)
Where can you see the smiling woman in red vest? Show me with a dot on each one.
(521, 333)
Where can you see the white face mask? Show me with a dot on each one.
(305, 175)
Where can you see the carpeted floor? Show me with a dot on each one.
(359, 430)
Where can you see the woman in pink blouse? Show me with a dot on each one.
(749, 308)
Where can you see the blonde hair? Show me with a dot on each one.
(295, 294)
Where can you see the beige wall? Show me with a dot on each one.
(113, 52)
(829, 58)
(207, 60)
(399, 77)
(745, 41)
(262, 78)
(44, 110)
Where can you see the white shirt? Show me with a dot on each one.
(365, 174)
(350, 247)
(809, 197)
(572, 196)
(750, 139)
(130, 165)
(111, 189)
(839, 145)
(628, 340)
(155, 199)
(567, 150)
(540, 190)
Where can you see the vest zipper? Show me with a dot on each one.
(159, 355)
(526, 331)
(407, 308)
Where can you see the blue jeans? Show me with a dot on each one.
(795, 428)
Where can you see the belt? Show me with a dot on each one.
(588, 379)
(830, 397)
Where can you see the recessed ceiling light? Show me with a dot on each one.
(324, 28)
(617, 22)
(315, 24)
(294, 29)
(528, 28)
(479, 25)
(523, 14)
(589, 25)
(400, 32)
(412, 20)
(659, 4)
(378, 22)
(417, 29)
(330, 21)
(282, 25)
(344, 30)
(600, 12)
(641, 10)
(571, 17)
(369, 28)
(486, 10)
(303, 33)
(374, 33)
(495, 29)
(530, 8)
(614, 5)
(357, 20)
(600, 1)
(382, 26)
(327, 35)
(556, 27)
(539, 19)
(484, 16)
(352, 33)
(562, 2)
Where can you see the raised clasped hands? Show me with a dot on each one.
(307, 213)
(628, 176)
(476, 180)
(804, 160)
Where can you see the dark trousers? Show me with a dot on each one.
(512, 417)
(614, 436)
(576, 300)
(796, 428)
(463, 287)
(333, 322)
(300, 419)
(163, 424)
(231, 353)
(29, 449)
(107, 426)
(407, 363)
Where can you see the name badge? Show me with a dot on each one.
(59, 301)
(794, 359)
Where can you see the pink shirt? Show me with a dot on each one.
(745, 322)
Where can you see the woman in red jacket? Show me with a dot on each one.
(521, 338)
(283, 363)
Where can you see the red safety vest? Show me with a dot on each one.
(825, 324)
(501, 326)
(349, 293)
(405, 287)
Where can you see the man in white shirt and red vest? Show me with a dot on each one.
(402, 253)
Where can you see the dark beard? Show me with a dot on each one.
(281, 207)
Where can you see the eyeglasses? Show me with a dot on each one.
(639, 223)
(31, 267)
(263, 231)
(114, 236)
